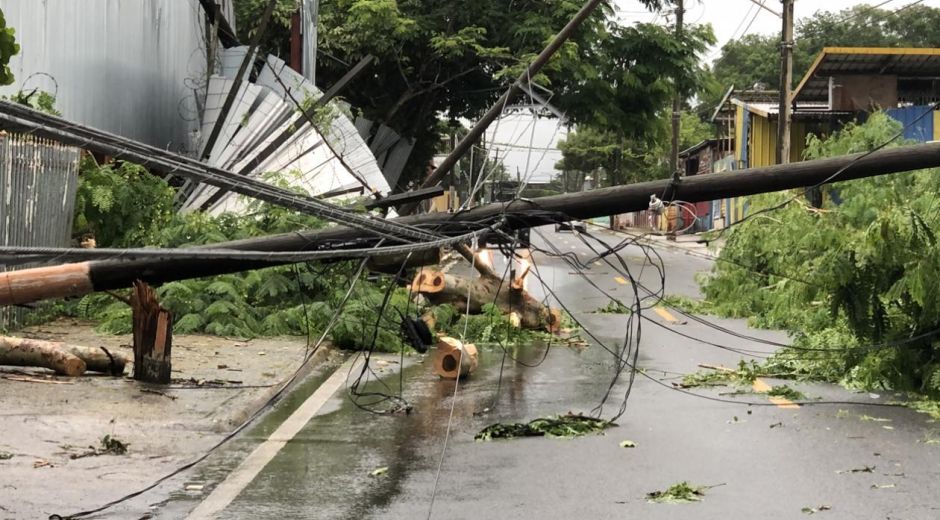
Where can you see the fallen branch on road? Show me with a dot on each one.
(566, 426)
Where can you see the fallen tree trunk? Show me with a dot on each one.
(98, 359)
(63, 358)
(470, 295)
(24, 352)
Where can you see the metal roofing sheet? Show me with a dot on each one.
(834, 61)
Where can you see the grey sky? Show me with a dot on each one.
(729, 19)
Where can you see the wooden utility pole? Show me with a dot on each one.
(786, 82)
(29, 285)
(677, 103)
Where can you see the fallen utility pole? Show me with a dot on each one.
(494, 112)
(28, 285)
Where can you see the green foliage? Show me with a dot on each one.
(860, 272)
(566, 426)
(614, 158)
(37, 100)
(121, 204)
(8, 49)
(745, 374)
(615, 307)
(455, 58)
(124, 206)
(677, 493)
(491, 326)
(276, 39)
(786, 392)
(686, 304)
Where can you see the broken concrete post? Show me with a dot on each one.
(153, 336)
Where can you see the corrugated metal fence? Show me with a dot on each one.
(135, 68)
(38, 179)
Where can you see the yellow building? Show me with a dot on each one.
(843, 84)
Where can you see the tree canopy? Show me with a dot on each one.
(455, 58)
(614, 159)
(8, 49)
(754, 59)
(857, 272)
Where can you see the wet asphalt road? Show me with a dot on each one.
(765, 461)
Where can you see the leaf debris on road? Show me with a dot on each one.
(566, 426)
(109, 446)
(677, 493)
(814, 510)
(863, 469)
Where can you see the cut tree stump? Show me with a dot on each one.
(153, 336)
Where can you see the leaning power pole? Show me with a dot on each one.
(676, 103)
(786, 82)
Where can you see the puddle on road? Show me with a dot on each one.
(326, 470)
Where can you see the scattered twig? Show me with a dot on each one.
(109, 446)
(157, 392)
(25, 379)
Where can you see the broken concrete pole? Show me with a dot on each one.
(24, 352)
(454, 359)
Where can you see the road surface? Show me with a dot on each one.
(768, 461)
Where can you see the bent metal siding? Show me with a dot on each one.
(38, 180)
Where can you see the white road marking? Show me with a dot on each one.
(229, 489)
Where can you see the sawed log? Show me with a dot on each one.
(63, 358)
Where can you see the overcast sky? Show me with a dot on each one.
(729, 19)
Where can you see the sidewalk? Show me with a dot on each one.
(693, 244)
(48, 420)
